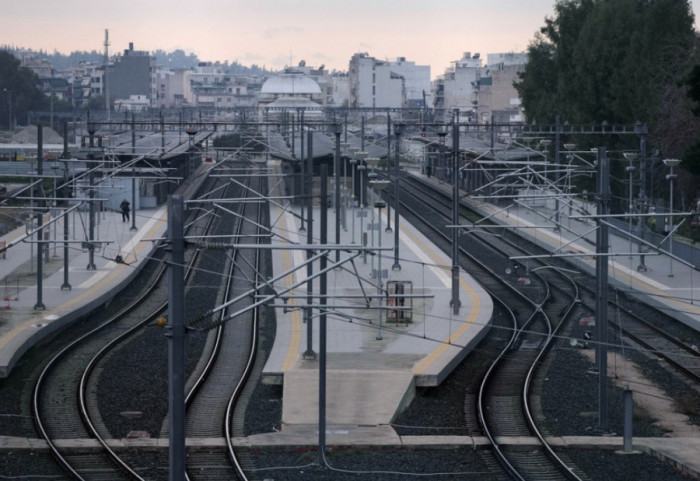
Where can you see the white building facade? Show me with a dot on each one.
(373, 84)
(416, 82)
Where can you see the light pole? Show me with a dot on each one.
(442, 133)
(337, 130)
(351, 152)
(8, 92)
(569, 159)
(379, 186)
(353, 163)
(631, 157)
(398, 130)
(545, 144)
(361, 173)
(671, 163)
(455, 302)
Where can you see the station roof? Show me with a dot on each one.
(290, 84)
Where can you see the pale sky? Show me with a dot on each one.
(271, 32)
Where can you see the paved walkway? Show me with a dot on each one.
(373, 363)
(369, 379)
(666, 283)
(120, 254)
(22, 323)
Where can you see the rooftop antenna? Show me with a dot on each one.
(106, 84)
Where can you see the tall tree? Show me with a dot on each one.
(600, 60)
(20, 88)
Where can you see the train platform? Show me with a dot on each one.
(117, 259)
(376, 356)
(27, 318)
(661, 281)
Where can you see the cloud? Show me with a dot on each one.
(251, 57)
(276, 32)
(322, 56)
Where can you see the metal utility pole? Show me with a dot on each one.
(133, 135)
(91, 194)
(66, 229)
(40, 220)
(642, 130)
(557, 140)
(601, 317)
(398, 130)
(104, 80)
(455, 218)
(302, 161)
(133, 199)
(175, 332)
(336, 174)
(388, 161)
(322, 319)
(308, 180)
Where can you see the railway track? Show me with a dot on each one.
(65, 402)
(656, 332)
(503, 401)
(211, 401)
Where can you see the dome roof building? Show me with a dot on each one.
(290, 83)
(290, 90)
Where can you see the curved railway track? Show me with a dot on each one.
(65, 407)
(64, 401)
(504, 396)
(212, 398)
(655, 334)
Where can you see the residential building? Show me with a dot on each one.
(481, 93)
(457, 88)
(416, 82)
(135, 103)
(498, 101)
(340, 90)
(374, 84)
(131, 74)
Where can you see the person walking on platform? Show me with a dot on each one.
(124, 206)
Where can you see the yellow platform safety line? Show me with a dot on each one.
(4, 340)
(619, 272)
(468, 323)
(296, 334)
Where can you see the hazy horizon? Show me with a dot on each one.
(279, 33)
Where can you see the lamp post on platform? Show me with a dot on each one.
(569, 159)
(337, 130)
(361, 169)
(440, 169)
(671, 163)
(631, 157)
(379, 186)
(398, 130)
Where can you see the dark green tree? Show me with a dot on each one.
(19, 87)
(598, 60)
